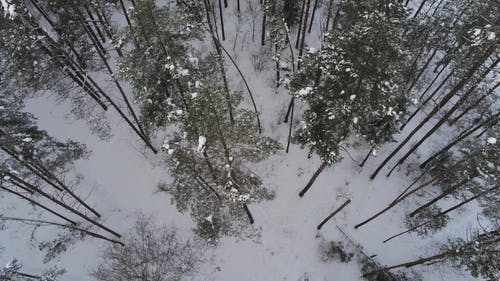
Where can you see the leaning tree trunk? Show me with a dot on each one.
(474, 105)
(313, 178)
(334, 213)
(450, 111)
(493, 119)
(439, 197)
(443, 102)
(397, 201)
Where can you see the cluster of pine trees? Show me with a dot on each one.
(379, 68)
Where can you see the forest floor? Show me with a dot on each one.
(120, 179)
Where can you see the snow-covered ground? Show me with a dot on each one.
(121, 178)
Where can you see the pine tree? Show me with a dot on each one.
(352, 85)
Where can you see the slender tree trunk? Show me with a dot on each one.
(290, 126)
(220, 60)
(473, 105)
(315, 6)
(277, 67)
(366, 158)
(249, 214)
(422, 70)
(89, 233)
(462, 136)
(442, 213)
(419, 8)
(247, 86)
(313, 178)
(223, 32)
(44, 14)
(111, 73)
(125, 13)
(334, 213)
(408, 264)
(395, 202)
(94, 23)
(420, 107)
(107, 27)
(263, 33)
(443, 102)
(62, 204)
(304, 28)
(439, 197)
(38, 205)
(450, 111)
(299, 29)
(328, 16)
(431, 84)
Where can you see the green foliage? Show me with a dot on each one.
(353, 84)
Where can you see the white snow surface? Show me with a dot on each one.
(121, 178)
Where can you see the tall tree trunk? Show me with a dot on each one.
(290, 126)
(408, 264)
(443, 102)
(103, 58)
(38, 205)
(419, 8)
(125, 13)
(249, 214)
(439, 197)
(313, 178)
(304, 28)
(473, 105)
(463, 135)
(334, 213)
(397, 201)
(223, 32)
(301, 21)
(245, 82)
(62, 204)
(263, 33)
(442, 213)
(431, 84)
(422, 70)
(219, 59)
(451, 110)
(89, 233)
(94, 23)
(366, 158)
(315, 6)
(429, 98)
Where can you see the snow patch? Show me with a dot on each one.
(201, 143)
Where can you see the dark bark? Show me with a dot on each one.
(313, 178)
(462, 136)
(223, 32)
(89, 233)
(125, 13)
(441, 104)
(290, 126)
(38, 205)
(474, 105)
(249, 214)
(334, 213)
(452, 110)
(62, 204)
(315, 6)
(395, 202)
(439, 197)
(304, 28)
(366, 158)
(419, 8)
(442, 213)
(301, 21)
